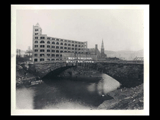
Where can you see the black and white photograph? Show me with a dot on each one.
(90, 58)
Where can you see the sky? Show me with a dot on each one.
(120, 29)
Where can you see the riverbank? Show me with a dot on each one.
(24, 78)
(125, 98)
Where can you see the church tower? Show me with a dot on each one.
(102, 48)
(103, 55)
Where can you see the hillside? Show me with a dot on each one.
(128, 55)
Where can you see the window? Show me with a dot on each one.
(61, 40)
(36, 37)
(72, 41)
(36, 29)
(57, 59)
(53, 59)
(65, 47)
(53, 42)
(48, 46)
(60, 55)
(75, 45)
(41, 55)
(69, 48)
(53, 39)
(57, 47)
(42, 37)
(48, 59)
(72, 48)
(57, 39)
(53, 46)
(65, 51)
(48, 50)
(35, 60)
(69, 44)
(48, 42)
(75, 48)
(42, 59)
(36, 50)
(61, 43)
(69, 51)
(36, 46)
(48, 38)
(53, 50)
(61, 47)
(42, 46)
(57, 43)
(42, 41)
(36, 41)
(79, 49)
(36, 33)
(65, 41)
(69, 41)
(57, 51)
(57, 55)
(78, 45)
(72, 44)
(61, 51)
(35, 55)
(48, 55)
(42, 50)
(65, 44)
(53, 55)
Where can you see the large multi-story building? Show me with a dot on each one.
(47, 48)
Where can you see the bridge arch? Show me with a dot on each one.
(54, 73)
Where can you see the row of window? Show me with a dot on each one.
(57, 43)
(48, 38)
(57, 47)
(42, 59)
(61, 51)
(48, 55)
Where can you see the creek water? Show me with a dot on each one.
(66, 93)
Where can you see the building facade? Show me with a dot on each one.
(47, 48)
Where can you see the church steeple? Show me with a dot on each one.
(103, 55)
(102, 46)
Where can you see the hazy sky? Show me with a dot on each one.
(120, 29)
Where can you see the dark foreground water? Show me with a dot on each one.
(66, 94)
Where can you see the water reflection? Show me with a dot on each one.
(24, 98)
(104, 86)
(67, 94)
(107, 84)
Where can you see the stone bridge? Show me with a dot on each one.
(128, 73)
